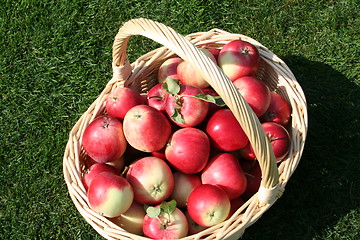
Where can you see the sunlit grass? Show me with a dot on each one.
(55, 58)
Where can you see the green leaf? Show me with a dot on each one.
(212, 99)
(153, 212)
(171, 86)
(168, 207)
(177, 117)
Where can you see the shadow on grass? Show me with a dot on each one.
(325, 188)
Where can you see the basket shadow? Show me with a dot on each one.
(326, 185)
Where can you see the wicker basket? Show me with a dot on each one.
(141, 75)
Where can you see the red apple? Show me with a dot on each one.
(118, 164)
(215, 52)
(225, 132)
(194, 228)
(279, 110)
(225, 171)
(184, 184)
(208, 205)
(121, 100)
(172, 225)
(189, 75)
(186, 110)
(152, 180)
(132, 220)
(188, 150)
(247, 152)
(160, 153)
(94, 170)
(146, 128)
(253, 175)
(235, 205)
(279, 139)
(239, 58)
(110, 195)
(103, 139)
(89, 161)
(157, 97)
(255, 93)
(168, 69)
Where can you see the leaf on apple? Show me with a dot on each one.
(153, 212)
(171, 86)
(177, 117)
(168, 207)
(165, 208)
(211, 99)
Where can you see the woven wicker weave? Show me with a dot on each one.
(141, 76)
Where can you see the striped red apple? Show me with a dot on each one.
(152, 180)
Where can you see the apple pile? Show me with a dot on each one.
(174, 161)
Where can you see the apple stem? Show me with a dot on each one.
(158, 97)
(178, 101)
(165, 223)
(274, 139)
(250, 175)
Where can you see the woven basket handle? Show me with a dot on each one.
(217, 80)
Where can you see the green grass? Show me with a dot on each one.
(55, 58)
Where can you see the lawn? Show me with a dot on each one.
(55, 58)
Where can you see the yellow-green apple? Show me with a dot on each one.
(146, 128)
(239, 58)
(152, 180)
(255, 93)
(121, 100)
(225, 132)
(184, 109)
(109, 194)
(103, 139)
(225, 171)
(165, 223)
(194, 228)
(183, 186)
(279, 110)
(156, 97)
(279, 139)
(188, 150)
(208, 205)
(94, 170)
(189, 75)
(168, 69)
(132, 220)
(253, 175)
